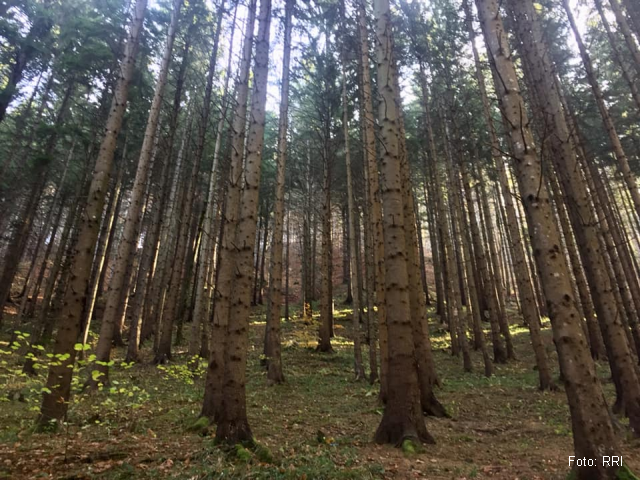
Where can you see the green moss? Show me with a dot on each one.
(408, 447)
(200, 425)
(263, 454)
(242, 453)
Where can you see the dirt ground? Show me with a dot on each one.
(319, 425)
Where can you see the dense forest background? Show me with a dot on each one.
(319, 239)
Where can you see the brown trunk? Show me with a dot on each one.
(499, 352)
(212, 406)
(455, 275)
(55, 400)
(375, 201)
(528, 303)
(474, 312)
(233, 425)
(543, 84)
(353, 234)
(402, 418)
(494, 266)
(614, 139)
(273, 339)
(623, 25)
(593, 432)
(118, 285)
(203, 288)
(263, 255)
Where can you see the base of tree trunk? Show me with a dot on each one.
(499, 356)
(433, 408)
(132, 358)
(274, 374)
(232, 432)
(395, 429)
(325, 348)
(161, 358)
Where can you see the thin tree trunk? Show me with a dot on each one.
(614, 139)
(118, 284)
(273, 335)
(375, 200)
(543, 84)
(353, 249)
(623, 25)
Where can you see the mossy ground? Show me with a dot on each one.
(319, 425)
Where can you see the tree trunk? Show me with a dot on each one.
(542, 83)
(353, 233)
(55, 400)
(607, 121)
(212, 406)
(593, 432)
(402, 418)
(128, 243)
(273, 335)
(528, 303)
(623, 25)
(375, 200)
(474, 311)
(233, 425)
(25, 54)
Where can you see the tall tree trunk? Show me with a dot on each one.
(402, 419)
(593, 432)
(56, 397)
(166, 246)
(353, 233)
(494, 266)
(623, 25)
(617, 55)
(203, 288)
(24, 55)
(212, 406)
(456, 280)
(129, 240)
(542, 83)
(273, 336)
(375, 199)
(607, 121)
(28, 213)
(474, 311)
(528, 303)
(261, 276)
(233, 425)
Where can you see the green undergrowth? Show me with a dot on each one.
(319, 424)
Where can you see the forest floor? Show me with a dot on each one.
(319, 425)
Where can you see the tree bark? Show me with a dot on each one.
(55, 400)
(233, 425)
(273, 336)
(353, 233)
(375, 201)
(402, 418)
(542, 83)
(212, 406)
(593, 432)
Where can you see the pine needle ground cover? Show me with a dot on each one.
(318, 425)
